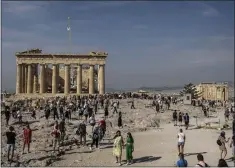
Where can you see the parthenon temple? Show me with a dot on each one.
(42, 73)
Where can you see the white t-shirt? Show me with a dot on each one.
(181, 137)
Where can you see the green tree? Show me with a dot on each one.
(190, 89)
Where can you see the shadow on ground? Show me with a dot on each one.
(146, 159)
(190, 154)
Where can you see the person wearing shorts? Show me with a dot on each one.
(181, 141)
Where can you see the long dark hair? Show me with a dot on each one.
(118, 133)
(131, 137)
(222, 163)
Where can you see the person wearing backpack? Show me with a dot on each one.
(201, 162)
(182, 162)
(221, 143)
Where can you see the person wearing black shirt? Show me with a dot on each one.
(11, 137)
(7, 115)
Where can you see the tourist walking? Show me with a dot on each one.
(92, 121)
(129, 148)
(62, 130)
(7, 115)
(120, 119)
(56, 136)
(132, 104)
(27, 137)
(117, 147)
(221, 143)
(180, 119)
(95, 137)
(175, 118)
(181, 162)
(232, 145)
(186, 121)
(181, 141)
(201, 162)
(11, 138)
(81, 131)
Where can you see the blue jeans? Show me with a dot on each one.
(10, 148)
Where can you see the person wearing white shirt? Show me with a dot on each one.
(181, 141)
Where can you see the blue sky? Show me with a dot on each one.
(149, 43)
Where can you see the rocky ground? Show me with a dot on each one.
(154, 135)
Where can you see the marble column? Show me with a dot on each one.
(91, 80)
(35, 84)
(23, 78)
(101, 79)
(42, 78)
(26, 77)
(18, 78)
(54, 78)
(66, 79)
(46, 78)
(79, 79)
(58, 74)
(29, 80)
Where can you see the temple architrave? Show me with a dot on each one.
(213, 91)
(41, 73)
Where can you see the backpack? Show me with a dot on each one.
(219, 142)
(206, 165)
(81, 129)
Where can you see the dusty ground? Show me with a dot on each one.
(154, 146)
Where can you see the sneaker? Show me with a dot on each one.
(120, 164)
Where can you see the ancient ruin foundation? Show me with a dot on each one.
(34, 75)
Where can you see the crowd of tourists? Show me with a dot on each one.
(85, 108)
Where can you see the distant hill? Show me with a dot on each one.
(160, 88)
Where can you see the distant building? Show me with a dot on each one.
(213, 91)
(188, 99)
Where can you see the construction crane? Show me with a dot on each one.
(69, 36)
(72, 78)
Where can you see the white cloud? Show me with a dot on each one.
(210, 12)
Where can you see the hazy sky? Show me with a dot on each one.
(149, 43)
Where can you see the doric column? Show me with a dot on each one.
(91, 80)
(23, 78)
(101, 79)
(66, 80)
(42, 78)
(29, 80)
(26, 77)
(18, 78)
(35, 83)
(58, 74)
(79, 79)
(54, 78)
(46, 78)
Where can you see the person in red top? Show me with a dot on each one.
(27, 135)
(56, 136)
(102, 124)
